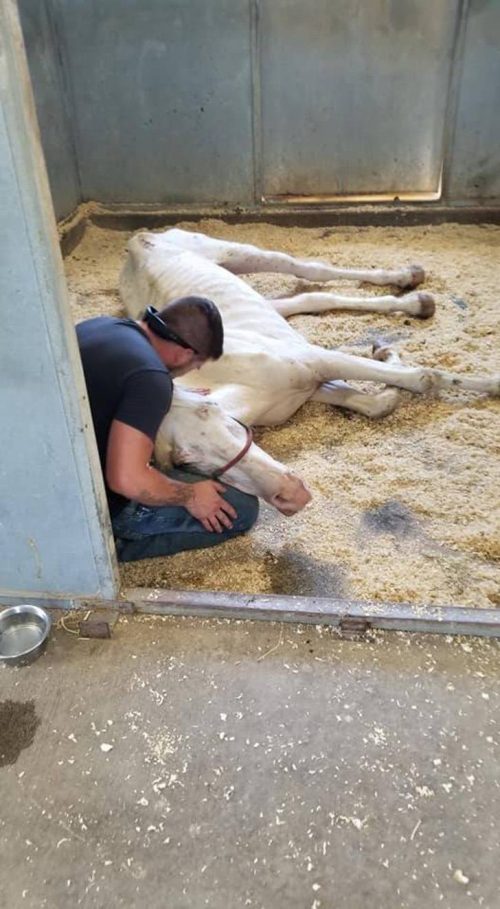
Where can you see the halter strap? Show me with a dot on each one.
(249, 439)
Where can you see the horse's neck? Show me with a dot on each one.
(183, 400)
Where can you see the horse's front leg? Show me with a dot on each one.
(340, 394)
(418, 304)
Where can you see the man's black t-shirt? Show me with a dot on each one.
(126, 381)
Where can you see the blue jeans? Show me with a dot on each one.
(144, 531)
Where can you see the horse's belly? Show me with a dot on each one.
(256, 385)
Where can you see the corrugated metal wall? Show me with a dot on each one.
(227, 101)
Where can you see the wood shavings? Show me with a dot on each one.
(75, 616)
(437, 458)
(272, 649)
(414, 831)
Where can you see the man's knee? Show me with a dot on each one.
(246, 507)
(251, 511)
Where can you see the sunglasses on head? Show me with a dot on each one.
(158, 327)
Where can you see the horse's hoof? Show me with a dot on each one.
(427, 306)
(380, 350)
(415, 276)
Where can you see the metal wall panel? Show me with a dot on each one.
(184, 101)
(162, 98)
(354, 94)
(474, 159)
(55, 535)
(54, 122)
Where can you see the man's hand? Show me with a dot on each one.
(209, 507)
(129, 474)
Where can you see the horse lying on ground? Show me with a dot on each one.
(268, 370)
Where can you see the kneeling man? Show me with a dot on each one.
(128, 369)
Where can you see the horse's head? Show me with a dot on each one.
(198, 433)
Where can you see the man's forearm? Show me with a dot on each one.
(154, 488)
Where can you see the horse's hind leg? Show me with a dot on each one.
(250, 259)
(387, 368)
(243, 258)
(414, 304)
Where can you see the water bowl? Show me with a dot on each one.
(24, 631)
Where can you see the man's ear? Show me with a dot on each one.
(186, 356)
(180, 356)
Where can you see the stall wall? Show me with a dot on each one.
(52, 103)
(475, 161)
(354, 95)
(55, 535)
(162, 98)
(230, 101)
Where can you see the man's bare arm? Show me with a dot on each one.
(129, 474)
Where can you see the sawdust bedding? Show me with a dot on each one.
(405, 509)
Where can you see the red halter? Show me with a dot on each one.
(218, 473)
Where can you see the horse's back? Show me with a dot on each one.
(158, 271)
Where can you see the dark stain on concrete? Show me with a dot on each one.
(18, 724)
(391, 517)
(295, 573)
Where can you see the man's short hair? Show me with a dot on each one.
(198, 322)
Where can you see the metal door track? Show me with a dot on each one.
(352, 618)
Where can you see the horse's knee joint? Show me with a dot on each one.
(429, 381)
(384, 403)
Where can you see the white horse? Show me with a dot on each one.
(268, 370)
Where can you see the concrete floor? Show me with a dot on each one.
(260, 765)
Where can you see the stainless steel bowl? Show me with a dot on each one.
(24, 631)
